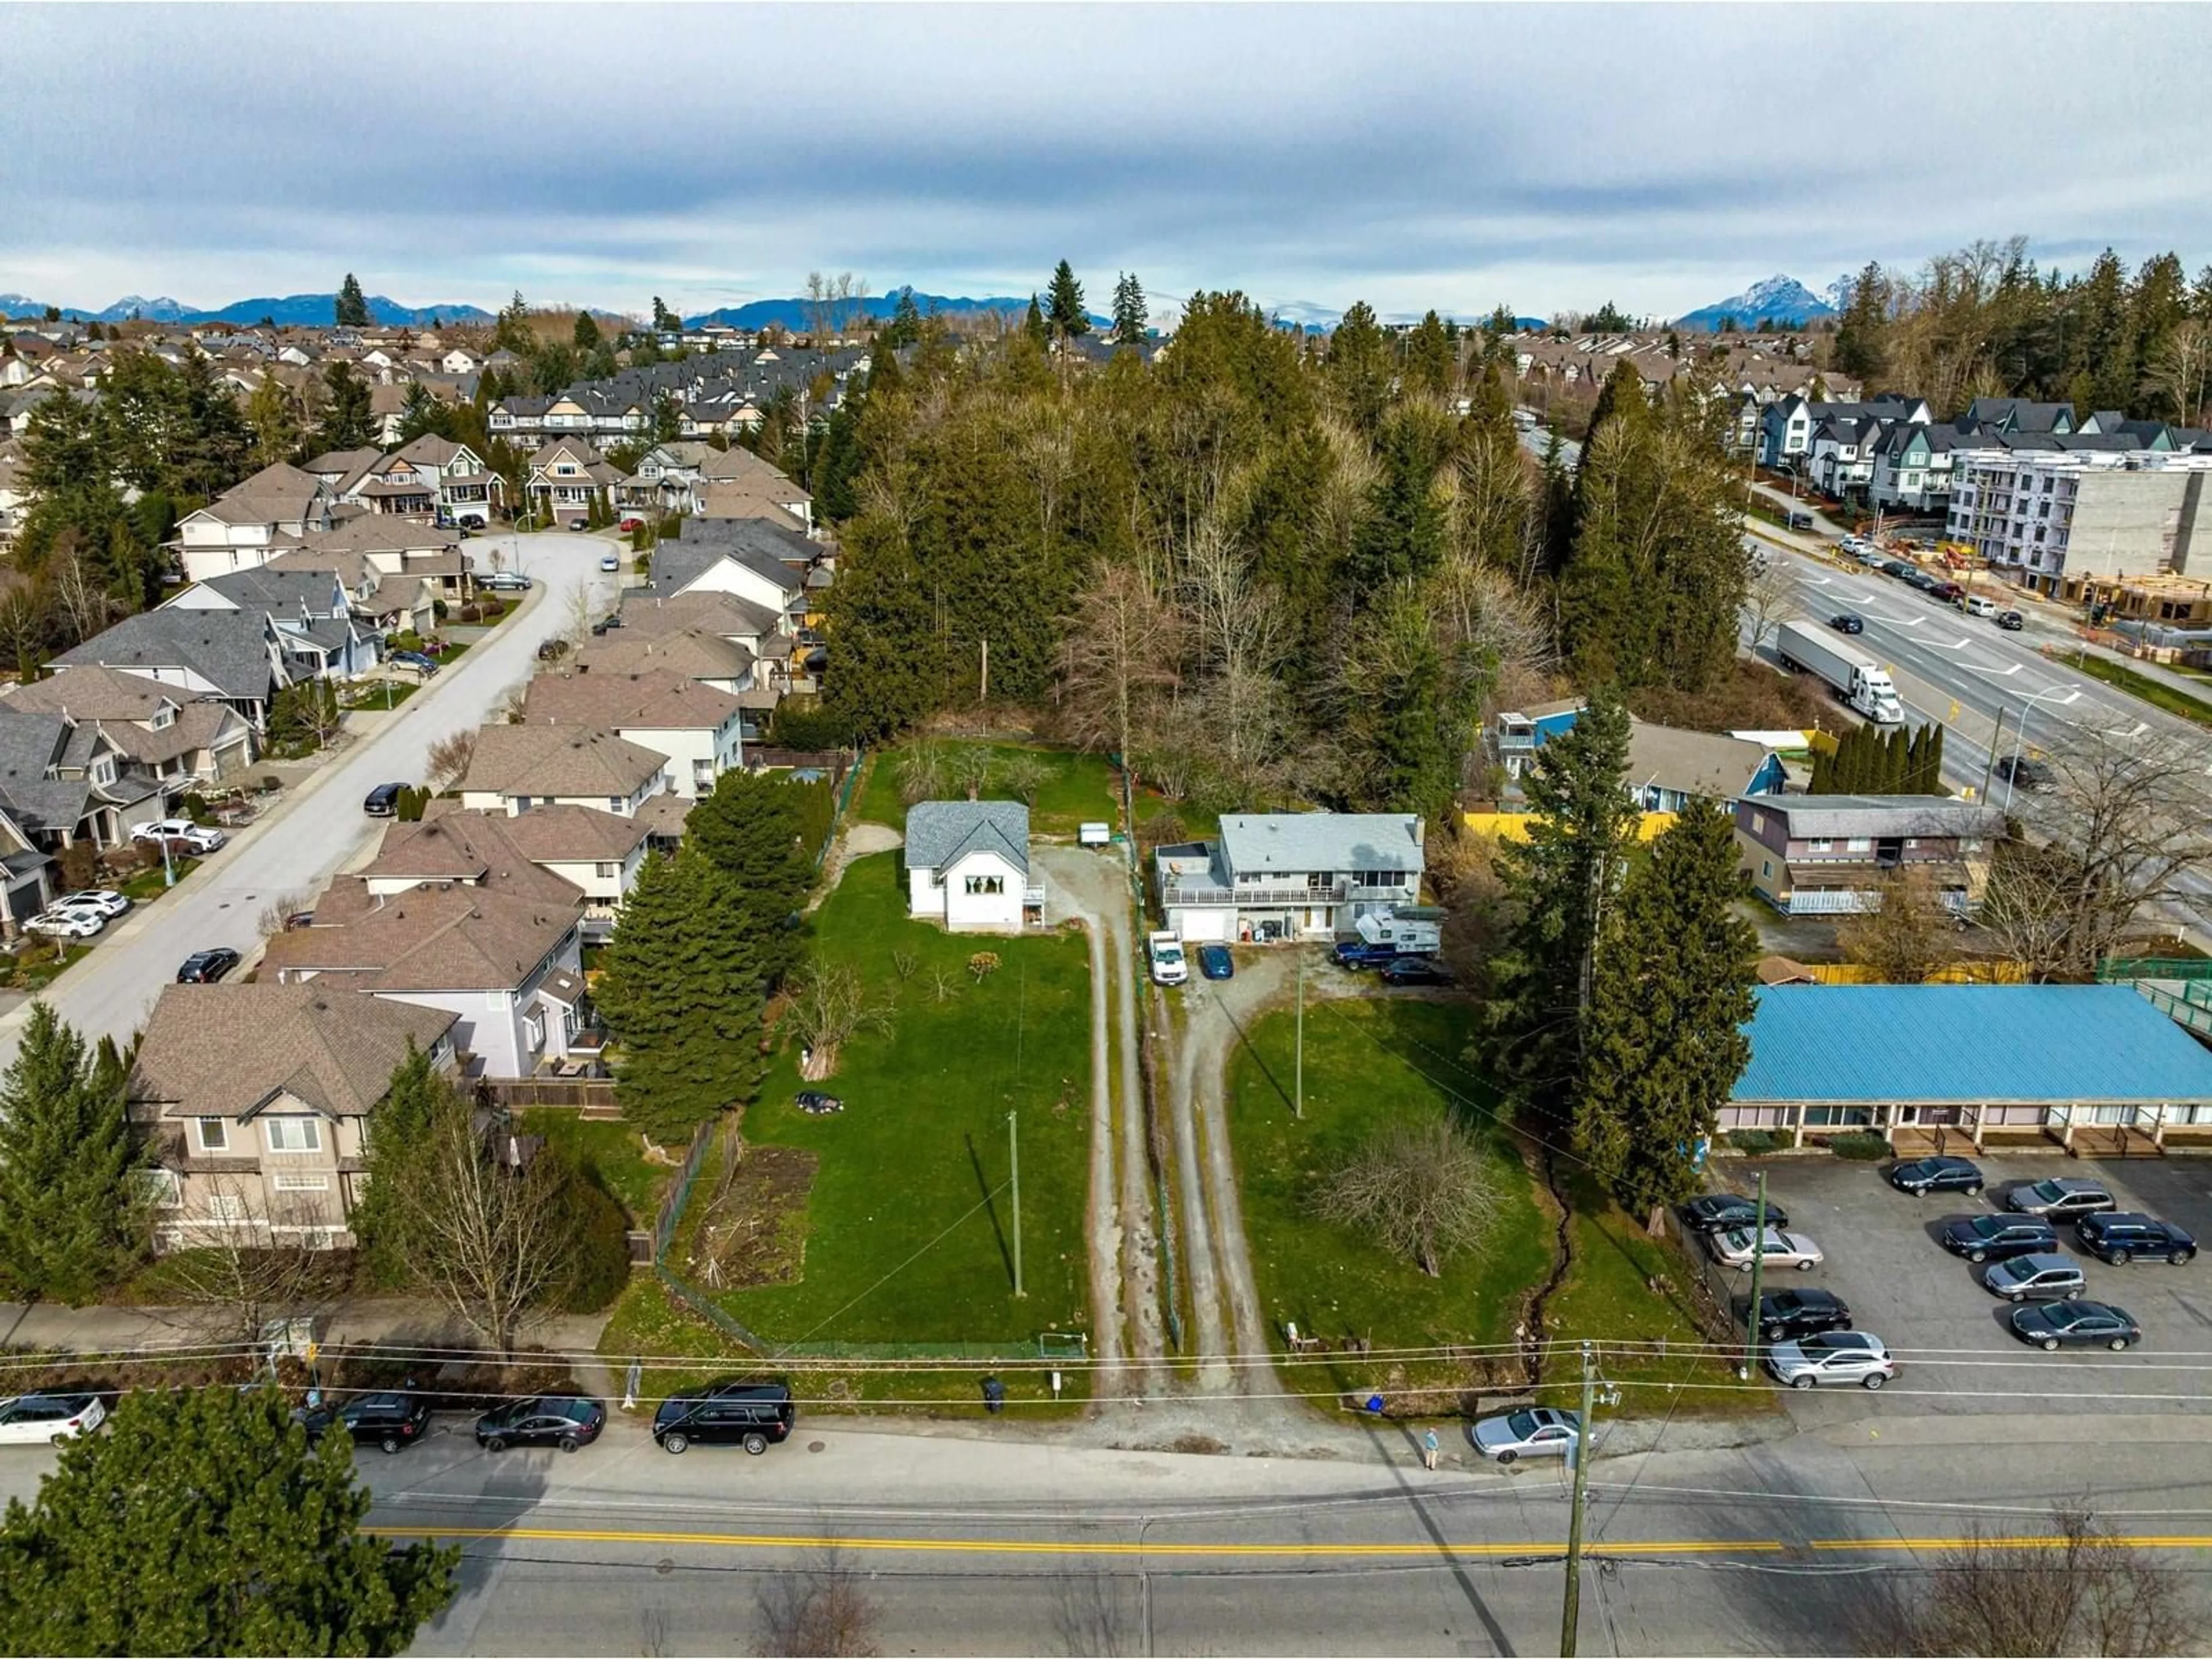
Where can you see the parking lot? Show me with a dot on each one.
(1955, 1351)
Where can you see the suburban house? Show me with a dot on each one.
(759, 577)
(255, 1101)
(709, 659)
(27, 877)
(968, 864)
(253, 522)
(506, 963)
(180, 739)
(765, 633)
(697, 728)
(397, 549)
(230, 655)
(64, 780)
(339, 468)
(1669, 767)
(1284, 876)
(1814, 856)
(516, 769)
(465, 492)
(566, 476)
(553, 853)
(309, 613)
(2094, 1068)
(1516, 735)
(393, 486)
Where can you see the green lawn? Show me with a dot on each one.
(901, 1245)
(1077, 788)
(612, 1151)
(1367, 1063)
(147, 885)
(2156, 693)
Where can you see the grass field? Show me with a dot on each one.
(2156, 693)
(1077, 787)
(1366, 1063)
(908, 1223)
(612, 1151)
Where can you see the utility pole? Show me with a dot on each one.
(1014, 1156)
(1758, 1265)
(1298, 1087)
(1572, 1611)
(985, 696)
(1988, 767)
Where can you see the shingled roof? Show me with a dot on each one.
(563, 760)
(940, 833)
(228, 1050)
(662, 699)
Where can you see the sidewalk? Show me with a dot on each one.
(383, 1319)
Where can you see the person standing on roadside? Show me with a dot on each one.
(1429, 1449)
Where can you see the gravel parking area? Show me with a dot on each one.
(1956, 1353)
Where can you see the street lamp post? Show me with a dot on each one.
(2019, 732)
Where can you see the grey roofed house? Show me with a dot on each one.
(708, 610)
(54, 784)
(1297, 843)
(760, 535)
(150, 723)
(677, 565)
(1708, 765)
(545, 761)
(940, 833)
(232, 651)
(1831, 816)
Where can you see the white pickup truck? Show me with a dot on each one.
(1165, 952)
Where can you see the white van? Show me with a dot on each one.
(1165, 952)
(1980, 605)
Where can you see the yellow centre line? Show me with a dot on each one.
(1058, 1546)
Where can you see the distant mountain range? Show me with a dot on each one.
(292, 310)
(797, 314)
(1303, 315)
(1782, 301)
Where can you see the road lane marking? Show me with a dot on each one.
(1065, 1546)
(2034, 1541)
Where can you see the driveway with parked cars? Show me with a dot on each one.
(1955, 1349)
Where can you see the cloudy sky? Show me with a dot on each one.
(1547, 158)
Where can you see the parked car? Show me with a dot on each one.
(414, 660)
(383, 800)
(391, 1421)
(1734, 1249)
(1869, 555)
(1923, 581)
(600, 626)
(105, 900)
(205, 966)
(472, 524)
(1533, 1431)
(2120, 1236)
(2055, 1325)
(580, 522)
(754, 1415)
(1899, 567)
(1792, 1316)
(1358, 953)
(505, 581)
(1832, 1357)
(66, 923)
(1416, 970)
(1979, 605)
(2038, 1277)
(198, 838)
(1214, 962)
(633, 522)
(1164, 951)
(40, 1419)
(1848, 622)
(560, 1420)
(1719, 1212)
(2011, 621)
(1998, 1238)
(553, 650)
(1924, 1175)
(2024, 773)
(1949, 593)
(611, 562)
(2065, 1195)
(1798, 518)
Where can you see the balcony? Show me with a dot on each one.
(1340, 891)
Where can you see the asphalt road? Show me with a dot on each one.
(319, 826)
(972, 1544)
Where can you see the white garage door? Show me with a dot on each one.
(1200, 926)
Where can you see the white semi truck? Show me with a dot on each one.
(1854, 677)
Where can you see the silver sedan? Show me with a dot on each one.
(1832, 1357)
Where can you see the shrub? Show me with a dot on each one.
(1753, 1141)
(79, 862)
(438, 608)
(802, 723)
(196, 808)
(470, 613)
(272, 783)
(600, 1268)
(1861, 1145)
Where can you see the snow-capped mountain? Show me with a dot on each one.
(1778, 300)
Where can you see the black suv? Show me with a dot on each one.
(2120, 1236)
(1924, 1175)
(389, 1421)
(1998, 1237)
(1721, 1213)
(754, 1415)
(1788, 1314)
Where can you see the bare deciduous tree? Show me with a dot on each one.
(1908, 936)
(1237, 626)
(2181, 370)
(2120, 829)
(829, 1006)
(490, 1228)
(511, 703)
(447, 762)
(578, 612)
(820, 1609)
(971, 768)
(1768, 597)
(238, 1273)
(1119, 652)
(2081, 1591)
(1023, 776)
(921, 772)
(1425, 1190)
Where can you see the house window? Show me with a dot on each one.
(533, 1030)
(285, 1182)
(614, 804)
(604, 871)
(163, 1187)
(1765, 867)
(986, 884)
(226, 1206)
(215, 1134)
(294, 1134)
(103, 770)
(1859, 844)
(1758, 823)
(1820, 844)
(164, 717)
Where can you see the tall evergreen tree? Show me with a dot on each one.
(1931, 774)
(1358, 367)
(1563, 879)
(1402, 535)
(1132, 318)
(1065, 310)
(585, 333)
(352, 308)
(347, 423)
(1862, 333)
(201, 1520)
(1431, 363)
(904, 328)
(1672, 992)
(665, 321)
(751, 829)
(422, 413)
(1033, 326)
(72, 1212)
(400, 1129)
(684, 985)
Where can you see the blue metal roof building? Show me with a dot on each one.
(2043, 1060)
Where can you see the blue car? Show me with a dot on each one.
(1357, 954)
(1215, 961)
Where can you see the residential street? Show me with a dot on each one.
(319, 826)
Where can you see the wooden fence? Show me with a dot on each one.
(594, 1098)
